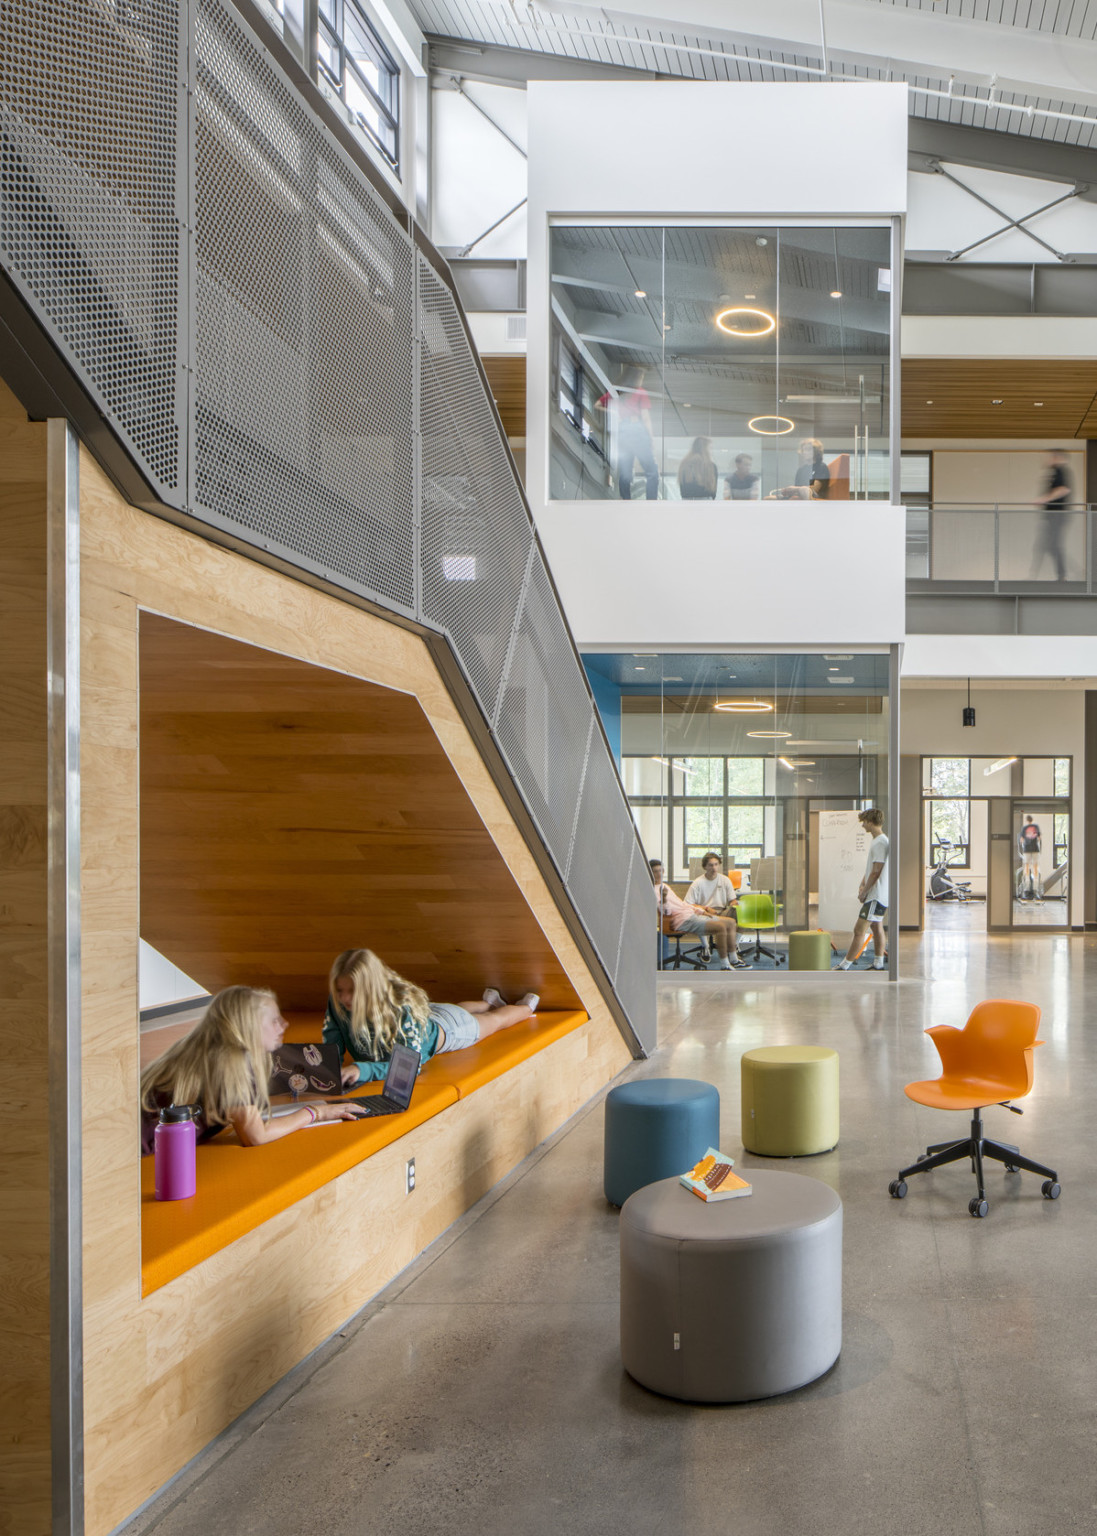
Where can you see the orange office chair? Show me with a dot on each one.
(987, 1062)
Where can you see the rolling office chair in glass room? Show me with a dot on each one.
(678, 949)
(758, 912)
(987, 1062)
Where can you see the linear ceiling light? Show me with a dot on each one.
(775, 431)
(769, 735)
(743, 706)
(730, 322)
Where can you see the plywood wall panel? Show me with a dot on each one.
(24, 1125)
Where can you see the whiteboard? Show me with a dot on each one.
(843, 849)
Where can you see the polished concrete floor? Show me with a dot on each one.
(482, 1393)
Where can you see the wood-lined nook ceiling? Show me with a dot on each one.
(289, 812)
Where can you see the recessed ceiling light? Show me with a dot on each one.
(929, 402)
(1037, 402)
(832, 669)
(672, 679)
(839, 679)
(769, 735)
(836, 293)
(639, 669)
(686, 405)
(743, 706)
(750, 295)
(996, 402)
(641, 293)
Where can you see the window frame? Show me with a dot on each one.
(331, 30)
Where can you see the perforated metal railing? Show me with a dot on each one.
(284, 360)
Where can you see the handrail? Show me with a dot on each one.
(1019, 548)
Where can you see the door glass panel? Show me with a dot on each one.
(1041, 865)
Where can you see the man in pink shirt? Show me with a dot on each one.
(686, 919)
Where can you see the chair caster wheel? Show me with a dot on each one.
(921, 1157)
(1050, 1190)
(897, 1189)
(978, 1207)
(1011, 1169)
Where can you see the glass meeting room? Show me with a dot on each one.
(764, 760)
(720, 363)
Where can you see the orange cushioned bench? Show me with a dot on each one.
(239, 1188)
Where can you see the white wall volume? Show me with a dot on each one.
(798, 575)
(619, 151)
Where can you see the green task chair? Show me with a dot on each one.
(757, 911)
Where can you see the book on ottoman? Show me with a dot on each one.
(713, 1178)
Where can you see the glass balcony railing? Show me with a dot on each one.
(1001, 547)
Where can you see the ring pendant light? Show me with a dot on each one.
(777, 431)
(768, 322)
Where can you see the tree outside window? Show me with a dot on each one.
(746, 776)
(1062, 776)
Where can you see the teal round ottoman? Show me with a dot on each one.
(656, 1129)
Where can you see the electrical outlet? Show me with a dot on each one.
(410, 1174)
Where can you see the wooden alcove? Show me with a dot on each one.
(289, 812)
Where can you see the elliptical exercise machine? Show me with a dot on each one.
(942, 887)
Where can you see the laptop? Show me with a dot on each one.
(399, 1083)
(314, 1068)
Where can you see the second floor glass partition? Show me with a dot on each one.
(720, 363)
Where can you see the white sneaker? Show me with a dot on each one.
(879, 965)
(494, 998)
(530, 1001)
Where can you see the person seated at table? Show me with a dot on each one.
(742, 484)
(372, 1008)
(697, 472)
(712, 891)
(223, 1067)
(685, 918)
(812, 482)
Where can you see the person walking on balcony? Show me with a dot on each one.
(1055, 499)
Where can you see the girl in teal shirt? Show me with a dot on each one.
(371, 1008)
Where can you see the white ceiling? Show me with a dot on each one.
(1026, 67)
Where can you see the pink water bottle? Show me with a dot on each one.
(173, 1144)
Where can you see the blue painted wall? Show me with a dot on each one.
(607, 696)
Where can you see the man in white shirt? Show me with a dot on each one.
(872, 894)
(712, 889)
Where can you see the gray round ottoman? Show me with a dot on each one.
(725, 1301)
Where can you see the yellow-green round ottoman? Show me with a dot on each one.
(790, 1100)
(809, 950)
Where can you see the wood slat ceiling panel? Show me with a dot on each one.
(289, 812)
(507, 377)
(962, 391)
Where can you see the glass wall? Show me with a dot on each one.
(743, 755)
(726, 363)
